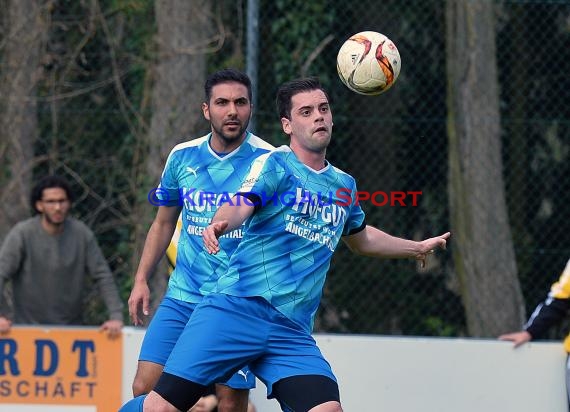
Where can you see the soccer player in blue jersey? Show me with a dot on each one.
(198, 175)
(263, 309)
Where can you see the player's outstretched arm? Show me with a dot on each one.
(374, 242)
(157, 240)
(228, 217)
(518, 338)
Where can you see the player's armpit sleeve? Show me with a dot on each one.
(546, 315)
(168, 193)
(254, 198)
(356, 229)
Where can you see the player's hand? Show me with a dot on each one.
(428, 247)
(205, 404)
(5, 325)
(112, 327)
(139, 300)
(518, 338)
(211, 234)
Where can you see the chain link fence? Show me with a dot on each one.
(93, 120)
(400, 143)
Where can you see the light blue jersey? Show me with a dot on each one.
(292, 235)
(200, 180)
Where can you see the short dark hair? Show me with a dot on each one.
(49, 182)
(288, 90)
(225, 76)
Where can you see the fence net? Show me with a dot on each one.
(92, 100)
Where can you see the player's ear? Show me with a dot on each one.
(206, 111)
(286, 124)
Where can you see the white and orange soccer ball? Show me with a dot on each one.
(368, 63)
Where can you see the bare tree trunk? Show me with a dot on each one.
(482, 245)
(184, 28)
(180, 74)
(18, 120)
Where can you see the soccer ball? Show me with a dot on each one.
(368, 63)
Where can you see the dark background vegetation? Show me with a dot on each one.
(100, 91)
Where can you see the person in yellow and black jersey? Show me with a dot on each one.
(548, 313)
(173, 247)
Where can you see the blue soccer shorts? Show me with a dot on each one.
(227, 332)
(165, 329)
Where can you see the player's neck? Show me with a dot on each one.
(315, 160)
(221, 145)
